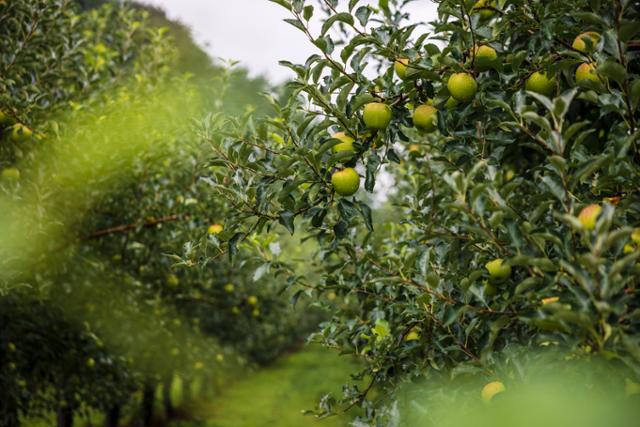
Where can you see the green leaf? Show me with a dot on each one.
(612, 70)
(635, 93)
(286, 219)
(365, 210)
(307, 12)
(284, 3)
(340, 17)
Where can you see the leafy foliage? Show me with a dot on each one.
(505, 178)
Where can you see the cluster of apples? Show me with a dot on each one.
(462, 87)
(17, 131)
(541, 83)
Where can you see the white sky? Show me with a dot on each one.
(252, 31)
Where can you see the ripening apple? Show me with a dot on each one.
(377, 115)
(5, 119)
(587, 72)
(413, 335)
(400, 66)
(484, 8)
(215, 229)
(485, 58)
(586, 42)
(462, 86)
(173, 280)
(20, 132)
(538, 82)
(589, 215)
(345, 145)
(498, 270)
(425, 118)
(11, 173)
(549, 300)
(345, 182)
(492, 389)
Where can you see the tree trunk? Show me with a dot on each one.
(166, 396)
(65, 416)
(113, 416)
(148, 398)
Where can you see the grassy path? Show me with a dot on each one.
(276, 395)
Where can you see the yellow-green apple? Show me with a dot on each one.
(538, 82)
(586, 42)
(462, 86)
(492, 389)
(589, 215)
(345, 145)
(484, 8)
(498, 269)
(20, 132)
(485, 58)
(377, 115)
(587, 72)
(345, 182)
(400, 66)
(425, 118)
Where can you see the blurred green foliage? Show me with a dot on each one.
(99, 190)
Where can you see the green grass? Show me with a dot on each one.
(276, 395)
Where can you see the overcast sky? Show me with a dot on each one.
(252, 31)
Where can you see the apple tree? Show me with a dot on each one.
(471, 182)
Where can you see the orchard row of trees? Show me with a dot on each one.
(99, 187)
(509, 130)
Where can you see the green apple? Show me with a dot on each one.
(485, 58)
(215, 229)
(252, 300)
(345, 182)
(589, 215)
(586, 42)
(462, 86)
(492, 389)
(228, 288)
(20, 132)
(11, 173)
(400, 65)
(5, 119)
(425, 118)
(484, 8)
(539, 82)
(172, 280)
(377, 115)
(345, 145)
(587, 71)
(497, 269)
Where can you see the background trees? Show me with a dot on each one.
(99, 189)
